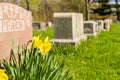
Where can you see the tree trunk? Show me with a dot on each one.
(46, 7)
(117, 13)
(87, 9)
(27, 4)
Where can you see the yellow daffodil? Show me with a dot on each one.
(45, 47)
(3, 75)
(37, 42)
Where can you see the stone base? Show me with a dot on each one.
(66, 41)
(91, 34)
(83, 37)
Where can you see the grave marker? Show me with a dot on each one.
(90, 27)
(15, 24)
(107, 24)
(43, 25)
(68, 28)
(100, 25)
(50, 24)
(39, 25)
(36, 25)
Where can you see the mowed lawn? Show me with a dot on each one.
(97, 58)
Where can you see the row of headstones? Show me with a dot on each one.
(16, 24)
(70, 27)
(92, 27)
(36, 25)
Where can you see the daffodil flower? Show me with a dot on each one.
(3, 75)
(45, 47)
(37, 42)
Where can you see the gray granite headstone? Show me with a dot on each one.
(63, 28)
(68, 27)
(107, 24)
(96, 24)
(50, 24)
(100, 25)
(39, 25)
(36, 25)
(111, 21)
(43, 25)
(90, 27)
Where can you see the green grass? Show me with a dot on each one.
(44, 33)
(97, 58)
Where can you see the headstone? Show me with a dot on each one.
(39, 25)
(43, 25)
(107, 24)
(100, 25)
(15, 24)
(50, 24)
(96, 25)
(36, 25)
(68, 28)
(111, 21)
(90, 27)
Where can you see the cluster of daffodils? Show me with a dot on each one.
(43, 46)
(3, 75)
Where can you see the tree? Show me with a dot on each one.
(10, 1)
(65, 5)
(31, 5)
(117, 13)
(87, 9)
(103, 1)
(116, 6)
(46, 10)
(1, 0)
(42, 10)
(72, 6)
(27, 5)
(102, 11)
(78, 6)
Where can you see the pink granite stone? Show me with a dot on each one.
(15, 24)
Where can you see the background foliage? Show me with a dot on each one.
(43, 10)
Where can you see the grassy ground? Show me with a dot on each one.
(44, 33)
(97, 58)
